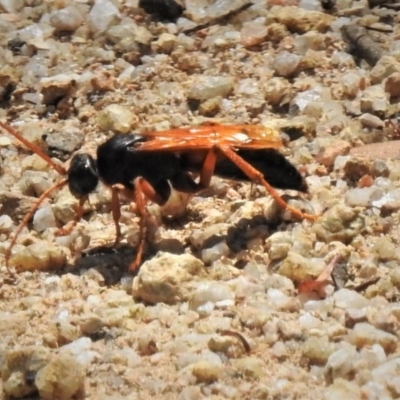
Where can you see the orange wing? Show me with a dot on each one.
(206, 136)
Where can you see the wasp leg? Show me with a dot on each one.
(184, 182)
(255, 176)
(144, 191)
(116, 209)
(29, 215)
(140, 200)
(66, 230)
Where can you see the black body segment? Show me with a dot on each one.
(164, 9)
(119, 162)
(276, 169)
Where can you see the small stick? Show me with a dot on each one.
(364, 46)
(238, 336)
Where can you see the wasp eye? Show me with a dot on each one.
(82, 175)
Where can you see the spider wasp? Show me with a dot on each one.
(145, 167)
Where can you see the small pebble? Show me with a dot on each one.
(62, 378)
(286, 64)
(205, 372)
(66, 19)
(365, 334)
(329, 155)
(116, 118)
(371, 121)
(44, 219)
(103, 15)
(363, 197)
(250, 367)
(4, 141)
(392, 84)
(168, 278)
(317, 350)
(299, 268)
(207, 87)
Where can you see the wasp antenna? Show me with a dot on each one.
(28, 216)
(34, 148)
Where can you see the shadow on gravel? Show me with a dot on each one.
(113, 262)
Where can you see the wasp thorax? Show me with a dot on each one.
(82, 175)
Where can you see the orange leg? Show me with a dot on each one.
(257, 177)
(207, 170)
(144, 187)
(29, 215)
(143, 192)
(116, 210)
(66, 230)
(253, 174)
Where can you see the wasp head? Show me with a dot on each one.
(82, 175)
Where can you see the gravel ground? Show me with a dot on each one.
(217, 310)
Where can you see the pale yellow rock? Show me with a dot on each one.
(61, 378)
(116, 118)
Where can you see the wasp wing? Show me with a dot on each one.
(207, 136)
